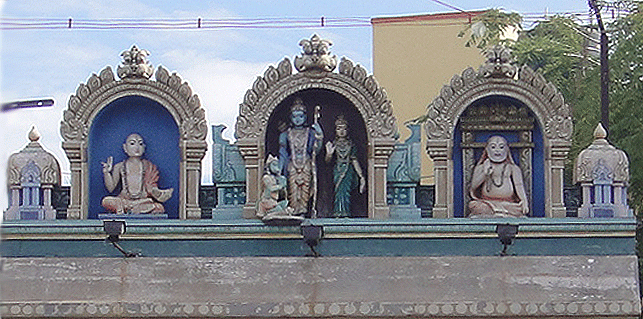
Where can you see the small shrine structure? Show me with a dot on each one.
(603, 173)
(499, 99)
(33, 173)
(163, 110)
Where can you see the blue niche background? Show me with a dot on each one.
(112, 125)
(538, 170)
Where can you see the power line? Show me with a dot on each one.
(178, 24)
(40, 23)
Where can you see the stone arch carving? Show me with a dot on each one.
(353, 83)
(170, 91)
(499, 77)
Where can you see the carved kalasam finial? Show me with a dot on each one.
(316, 55)
(34, 135)
(135, 64)
(599, 132)
(499, 63)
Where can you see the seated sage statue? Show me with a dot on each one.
(138, 178)
(497, 188)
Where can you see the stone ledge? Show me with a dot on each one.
(333, 228)
(353, 287)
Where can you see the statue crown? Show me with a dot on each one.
(298, 105)
(341, 120)
(271, 158)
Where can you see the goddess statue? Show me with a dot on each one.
(497, 188)
(347, 172)
(298, 146)
(138, 178)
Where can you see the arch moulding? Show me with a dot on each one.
(171, 92)
(353, 83)
(498, 77)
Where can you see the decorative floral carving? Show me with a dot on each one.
(316, 55)
(499, 63)
(135, 64)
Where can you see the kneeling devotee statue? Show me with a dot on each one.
(138, 178)
(273, 205)
(497, 188)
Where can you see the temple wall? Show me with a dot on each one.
(284, 287)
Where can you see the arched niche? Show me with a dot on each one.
(166, 91)
(110, 128)
(513, 120)
(498, 77)
(353, 84)
(332, 104)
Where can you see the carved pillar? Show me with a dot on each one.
(79, 193)
(558, 151)
(583, 210)
(440, 153)
(12, 212)
(377, 166)
(620, 200)
(50, 212)
(193, 153)
(250, 153)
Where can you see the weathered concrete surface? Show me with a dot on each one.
(580, 286)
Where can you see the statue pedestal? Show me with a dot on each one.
(132, 216)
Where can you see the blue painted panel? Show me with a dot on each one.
(538, 173)
(148, 118)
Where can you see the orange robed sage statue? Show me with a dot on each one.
(138, 178)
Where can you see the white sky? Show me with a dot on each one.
(220, 65)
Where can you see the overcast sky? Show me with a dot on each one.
(219, 64)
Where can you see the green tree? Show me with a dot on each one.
(626, 96)
(560, 48)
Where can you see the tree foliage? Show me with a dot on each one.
(560, 49)
(487, 28)
(626, 96)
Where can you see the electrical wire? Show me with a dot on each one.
(42, 23)
(179, 24)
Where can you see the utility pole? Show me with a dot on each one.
(605, 71)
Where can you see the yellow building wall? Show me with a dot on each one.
(413, 57)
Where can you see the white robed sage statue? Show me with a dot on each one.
(497, 188)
